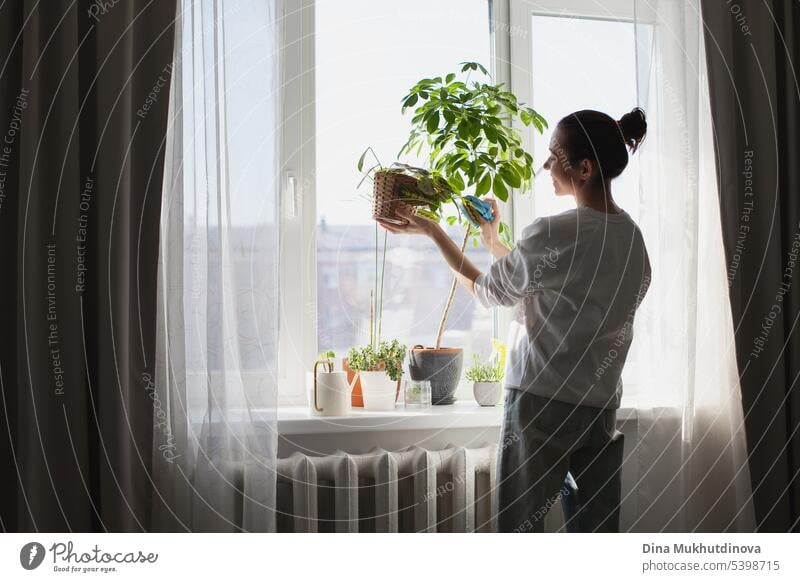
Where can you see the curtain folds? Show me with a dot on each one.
(83, 113)
(687, 470)
(214, 452)
(753, 52)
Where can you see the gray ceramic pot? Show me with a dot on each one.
(441, 367)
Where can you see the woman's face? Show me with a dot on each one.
(566, 177)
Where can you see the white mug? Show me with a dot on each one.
(331, 392)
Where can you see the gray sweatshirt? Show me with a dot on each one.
(576, 280)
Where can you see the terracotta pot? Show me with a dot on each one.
(357, 397)
(441, 367)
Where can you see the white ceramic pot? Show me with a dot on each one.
(487, 393)
(379, 391)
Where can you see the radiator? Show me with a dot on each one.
(413, 490)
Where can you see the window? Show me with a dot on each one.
(366, 55)
(347, 65)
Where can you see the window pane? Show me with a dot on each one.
(368, 54)
(582, 63)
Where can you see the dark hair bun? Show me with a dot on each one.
(633, 126)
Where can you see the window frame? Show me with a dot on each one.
(297, 343)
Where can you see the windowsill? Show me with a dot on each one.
(461, 414)
(294, 420)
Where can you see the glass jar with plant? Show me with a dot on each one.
(487, 377)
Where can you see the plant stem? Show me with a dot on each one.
(373, 327)
(383, 271)
(371, 319)
(450, 297)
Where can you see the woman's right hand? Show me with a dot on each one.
(490, 229)
(490, 232)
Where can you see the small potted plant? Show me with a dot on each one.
(379, 369)
(487, 377)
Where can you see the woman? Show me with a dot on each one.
(577, 279)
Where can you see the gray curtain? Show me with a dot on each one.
(753, 52)
(83, 113)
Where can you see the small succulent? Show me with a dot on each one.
(491, 371)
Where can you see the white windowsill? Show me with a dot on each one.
(462, 414)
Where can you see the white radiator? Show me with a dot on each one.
(413, 490)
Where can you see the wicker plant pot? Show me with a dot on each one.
(393, 190)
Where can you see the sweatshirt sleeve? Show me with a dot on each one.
(541, 260)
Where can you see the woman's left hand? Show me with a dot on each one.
(415, 224)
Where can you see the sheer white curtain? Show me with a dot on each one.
(688, 468)
(215, 439)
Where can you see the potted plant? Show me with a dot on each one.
(375, 321)
(469, 134)
(379, 368)
(487, 377)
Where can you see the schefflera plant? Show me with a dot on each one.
(468, 130)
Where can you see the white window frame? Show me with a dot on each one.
(297, 336)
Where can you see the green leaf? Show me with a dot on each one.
(361, 160)
(449, 78)
(484, 185)
(433, 122)
(475, 128)
(499, 188)
(410, 101)
(427, 214)
(510, 176)
(491, 134)
(541, 119)
(456, 181)
(505, 235)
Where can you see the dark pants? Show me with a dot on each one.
(545, 443)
